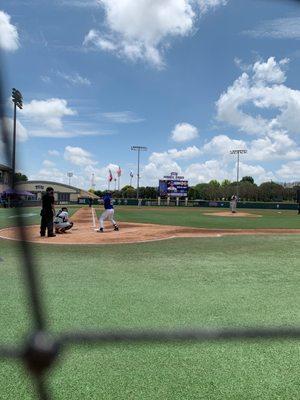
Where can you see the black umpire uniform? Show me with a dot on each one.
(47, 212)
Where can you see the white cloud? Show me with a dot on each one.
(48, 163)
(189, 152)
(51, 118)
(100, 173)
(49, 113)
(21, 131)
(270, 71)
(160, 164)
(82, 175)
(263, 90)
(46, 79)
(290, 171)
(220, 170)
(277, 145)
(95, 38)
(152, 171)
(60, 134)
(53, 174)
(184, 132)
(141, 30)
(206, 171)
(9, 37)
(280, 28)
(122, 117)
(222, 144)
(54, 153)
(256, 171)
(49, 174)
(205, 5)
(80, 3)
(74, 79)
(174, 154)
(229, 108)
(78, 156)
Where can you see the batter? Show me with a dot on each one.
(108, 213)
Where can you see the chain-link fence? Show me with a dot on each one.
(40, 351)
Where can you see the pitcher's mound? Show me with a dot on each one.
(239, 214)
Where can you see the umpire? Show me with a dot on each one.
(47, 212)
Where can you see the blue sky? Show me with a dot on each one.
(189, 79)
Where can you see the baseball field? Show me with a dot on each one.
(228, 279)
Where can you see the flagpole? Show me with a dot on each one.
(110, 178)
(131, 177)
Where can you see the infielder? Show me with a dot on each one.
(108, 213)
(62, 222)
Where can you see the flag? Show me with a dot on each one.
(119, 172)
(110, 176)
(131, 174)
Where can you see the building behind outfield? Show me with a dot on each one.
(63, 193)
(5, 177)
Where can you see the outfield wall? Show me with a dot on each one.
(213, 204)
(191, 203)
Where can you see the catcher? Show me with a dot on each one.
(62, 222)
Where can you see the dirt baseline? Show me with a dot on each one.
(238, 214)
(84, 232)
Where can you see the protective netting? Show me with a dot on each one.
(40, 350)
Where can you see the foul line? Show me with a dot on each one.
(94, 218)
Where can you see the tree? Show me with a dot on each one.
(150, 192)
(98, 193)
(127, 187)
(225, 183)
(193, 193)
(214, 190)
(201, 190)
(248, 179)
(128, 192)
(214, 183)
(271, 191)
(19, 177)
(248, 191)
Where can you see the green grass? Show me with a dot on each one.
(31, 215)
(176, 283)
(181, 216)
(195, 217)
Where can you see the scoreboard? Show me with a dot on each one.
(173, 186)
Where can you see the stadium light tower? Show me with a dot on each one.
(138, 149)
(238, 152)
(69, 175)
(17, 99)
